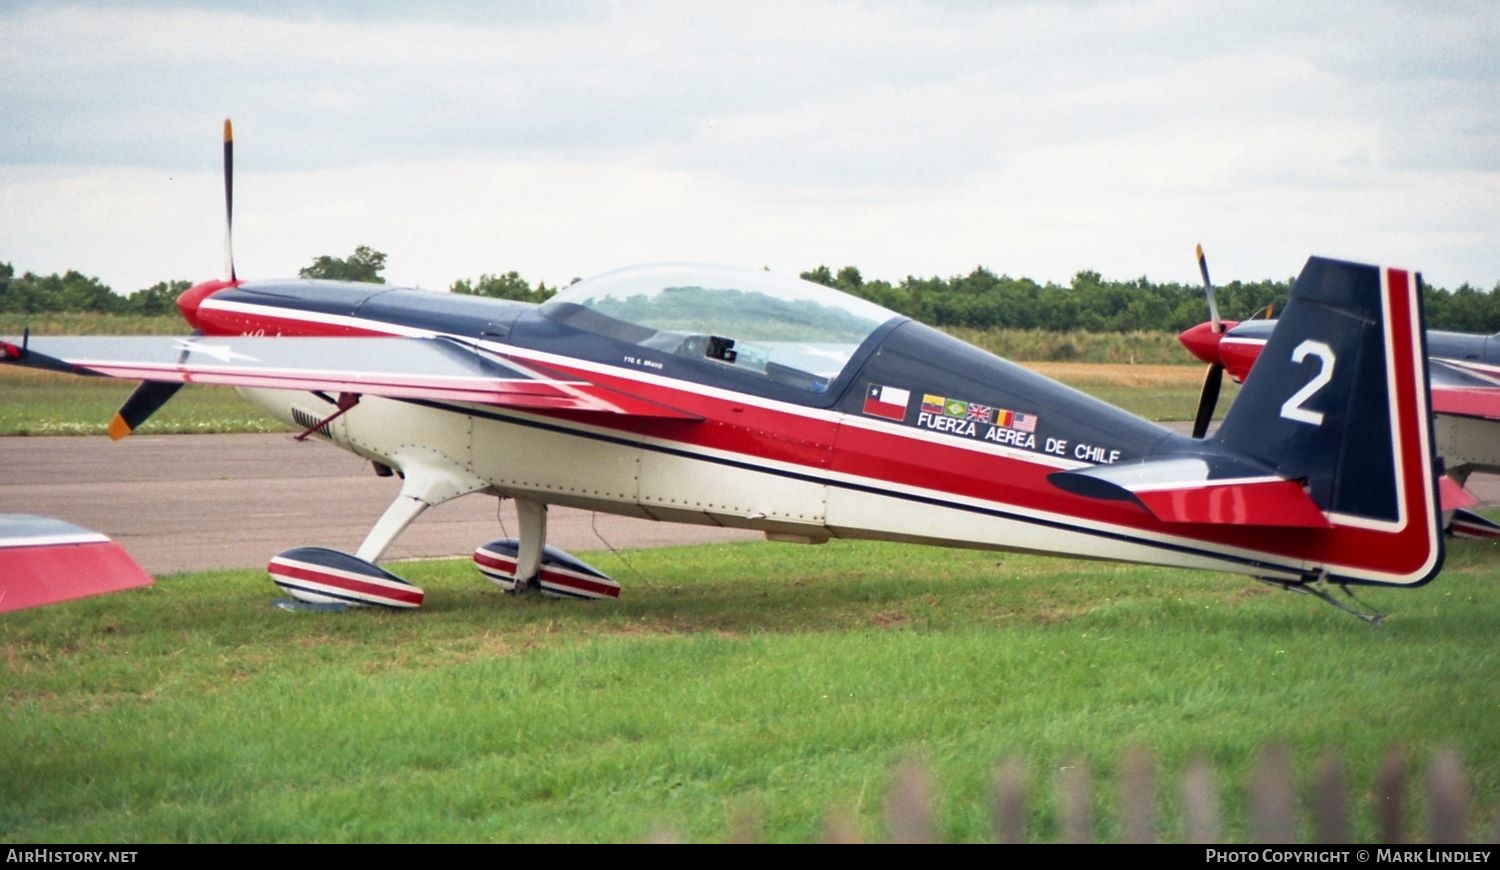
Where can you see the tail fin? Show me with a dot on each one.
(1339, 400)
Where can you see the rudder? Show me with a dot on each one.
(1339, 400)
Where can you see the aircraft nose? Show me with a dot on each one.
(1201, 341)
(192, 297)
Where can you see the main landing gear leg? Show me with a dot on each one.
(321, 578)
(533, 541)
(421, 489)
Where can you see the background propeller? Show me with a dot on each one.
(229, 197)
(1208, 399)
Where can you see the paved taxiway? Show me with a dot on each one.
(194, 502)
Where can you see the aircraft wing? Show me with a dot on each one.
(440, 369)
(47, 560)
(1464, 390)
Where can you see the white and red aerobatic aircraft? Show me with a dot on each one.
(740, 398)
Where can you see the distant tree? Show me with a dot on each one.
(508, 286)
(849, 280)
(365, 264)
(159, 298)
(821, 275)
(70, 291)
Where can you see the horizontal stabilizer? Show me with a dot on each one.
(1465, 388)
(1467, 524)
(1452, 496)
(1481, 403)
(1189, 490)
(43, 560)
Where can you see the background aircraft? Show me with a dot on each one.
(1464, 371)
(712, 395)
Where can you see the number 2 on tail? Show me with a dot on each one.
(1293, 408)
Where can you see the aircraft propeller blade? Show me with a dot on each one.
(141, 404)
(1208, 287)
(229, 196)
(1208, 399)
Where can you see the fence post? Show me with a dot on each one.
(1331, 802)
(1200, 802)
(1073, 788)
(908, 805)
(1010, 801)
(1390, 797)
(1448, 802)
(1137, 785)
(1273, 805)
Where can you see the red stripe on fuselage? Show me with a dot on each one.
(217, 319)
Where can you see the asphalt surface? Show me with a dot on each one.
(196, 502)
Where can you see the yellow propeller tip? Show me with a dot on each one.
(228, 131)
(119, 429)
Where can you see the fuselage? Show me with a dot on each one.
(886, 429)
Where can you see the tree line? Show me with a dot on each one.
(981, 299)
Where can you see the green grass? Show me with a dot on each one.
(91, 323)
(764, 682)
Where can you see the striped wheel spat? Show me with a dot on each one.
(321, 575)
(562, 574)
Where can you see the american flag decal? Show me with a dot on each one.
(1016, 420)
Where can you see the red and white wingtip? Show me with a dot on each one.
(44, 560)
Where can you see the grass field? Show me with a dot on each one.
(753, 686)
(733, 687)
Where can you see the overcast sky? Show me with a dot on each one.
(561, 139)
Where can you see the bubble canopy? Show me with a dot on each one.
(791, 331)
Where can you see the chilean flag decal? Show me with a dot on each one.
(887, 402)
